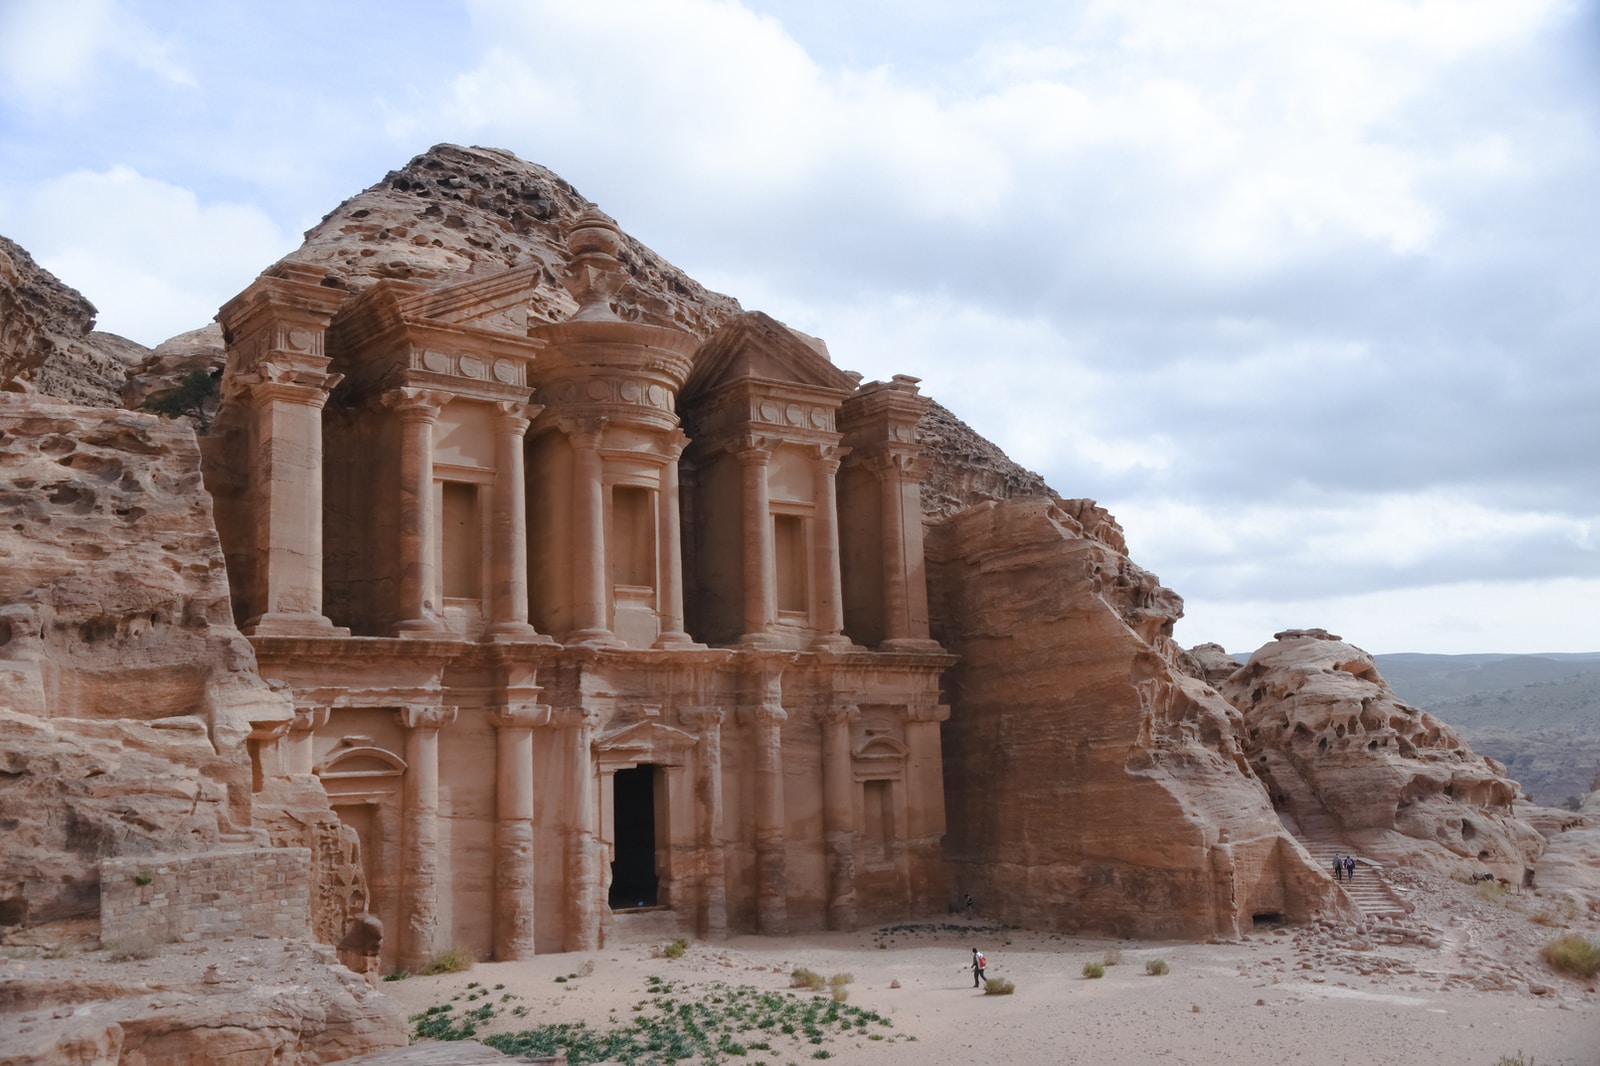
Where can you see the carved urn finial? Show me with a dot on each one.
(594, 273)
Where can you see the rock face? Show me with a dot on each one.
(967, 469)
(454, 213)
(1092, 785)
(1343, 756)
(128, 700)
(254, 1001)
(48, 343)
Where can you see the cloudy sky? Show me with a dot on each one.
(1307, 294)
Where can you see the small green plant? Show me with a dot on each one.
(142, 879)
(1573, 955)
(1113, 956)
(1156, 967)
(675, 949)
(1515, 1060)
(1093, 969)
(191, 397)
(398, 975)
(452, 960)
(807, 979)
(998, 986)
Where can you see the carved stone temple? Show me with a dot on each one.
(584, 622)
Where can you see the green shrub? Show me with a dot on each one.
(1491, 891)
(1113, 956)
(998, 986)
(1156, 967)
(675, 949)
(1515, 1060)
(1093, 969)
(142, 879)
(398, 975)
(808, 979)
(453, 960)
(1573, 955)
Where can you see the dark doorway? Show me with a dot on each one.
(634, 881)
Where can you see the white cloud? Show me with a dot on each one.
(152, 257)
(52, 50)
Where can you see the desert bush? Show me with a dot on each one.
(808, 979)
(837, 983)
(1573, 955)
(673, 950)
(1515, 1060)
(1156, 967)
(452, 960)
(998, 986)
(1113, 956)
(1093, 969)
(1491, 891)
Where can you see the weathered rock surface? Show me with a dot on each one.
(453, 213)
(48, 343)
(966, 469)
(166, 368)
(1091, 785)
(1346, 758)
(237, 1001)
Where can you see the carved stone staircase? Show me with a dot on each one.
(1369, 889)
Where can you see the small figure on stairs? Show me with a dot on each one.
(1338, 867)
(1349, 867)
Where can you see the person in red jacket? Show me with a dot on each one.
(978, 963)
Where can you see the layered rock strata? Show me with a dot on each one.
(1091, 785)
(1345, 758)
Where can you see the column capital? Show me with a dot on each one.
(575, 717)
(930, 710)
(829, 456)
(586, 434)
(754, 449)
(521, 715)
(276, 729)
(765, 714)
(309, 719)
(426, 716)
(515, 416)
(673, 443)
(416, 405)
(838, 712)
(899, 464)
(702, 717)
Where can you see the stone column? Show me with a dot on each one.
(287, 481)
(905, 583)
(508, 562)
(925, 813)
(300, 744)
(423, 869)
(828, 582)
(839, 812)
(669, 605)
(772, 893)
(760, 576)
(513, 830)
(584, 886)
(419, 526)
(713, 904)
(591, 587)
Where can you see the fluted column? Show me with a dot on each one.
(420, 937)
(419, 526)
(713, 906)
(669, 603)
(828, 583)
(584, 886)
(760, 571)
(838, 813)
(591, 592)
(287, 482)
(513, 831)
(772, 893)
(508, 560)
(300, 744)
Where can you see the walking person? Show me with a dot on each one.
(978, 964)
(1338, 867)
(969, 905)
(1349, 867)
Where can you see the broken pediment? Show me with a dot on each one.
(645, 742)
(755, 346)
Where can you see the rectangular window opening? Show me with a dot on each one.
(461, 542)
(633, 536)
(789, 551)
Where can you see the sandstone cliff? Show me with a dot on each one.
(48, 343)
(1092, 785)
(127, 697)
(1346, 759)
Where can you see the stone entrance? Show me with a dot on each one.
(635, 877)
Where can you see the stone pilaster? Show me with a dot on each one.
(838, 812)
(828, 583)
(905, 580)
(299, 746)
(421, 878)
(585, 885)
(924, 777)
(508, 563)
(670, 562)
(591, 590)
(713, 911)
(513, 831)
(419, 525)
(772, 892)
(760, 571)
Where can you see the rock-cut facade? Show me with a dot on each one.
(585, 622)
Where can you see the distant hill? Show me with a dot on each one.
(1538, 714)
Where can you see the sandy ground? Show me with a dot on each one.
(1295, 995)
